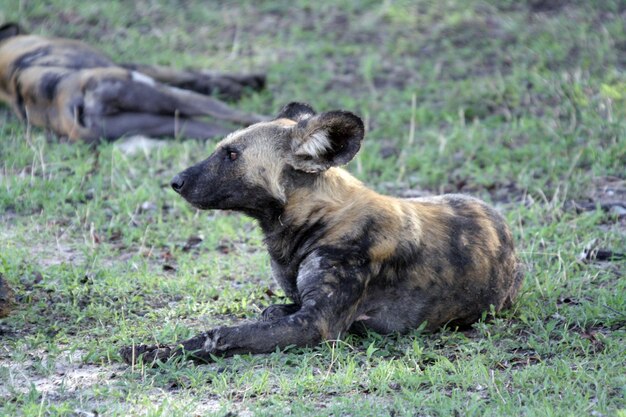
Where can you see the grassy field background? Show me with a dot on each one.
(522, 103)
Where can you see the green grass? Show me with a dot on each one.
(518, 103)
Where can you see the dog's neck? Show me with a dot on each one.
(310, 206)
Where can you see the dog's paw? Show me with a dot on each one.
(148, 354)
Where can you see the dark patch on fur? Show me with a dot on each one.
(19, 101)
(360, 243)
(495, 275)
(9, 30)
(87, 62)
(407, 255)
(28, 59)
(296, 178)
(463, 232)
(499, 225)
(297, 239)
(261, 205)
(459, 254)
(49, 83)
(3, 84)
(80, 114)
(296, 112)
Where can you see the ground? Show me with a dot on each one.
(521, 103)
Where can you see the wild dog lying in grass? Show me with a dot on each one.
(347, 256)
(70, 88)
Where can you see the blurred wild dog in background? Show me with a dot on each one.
(77, 92)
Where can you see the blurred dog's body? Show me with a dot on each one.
(77, 92)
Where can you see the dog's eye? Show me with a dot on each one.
(232, 155)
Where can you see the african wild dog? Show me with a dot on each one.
(347, 257)
(75, 91)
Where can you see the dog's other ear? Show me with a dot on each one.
(326, 140)
(296, 112)
(9, 30)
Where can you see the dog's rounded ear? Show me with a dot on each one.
(9, 30)
(296, 112)
(325, 140)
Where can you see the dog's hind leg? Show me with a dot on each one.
(143, 95)
(153, 125)
(225, 86)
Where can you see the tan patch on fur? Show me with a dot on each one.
(395, 224)
(284, 122)
(323, 328)
(433, 212)
(491, 242)
(231, 138)
(266, 175)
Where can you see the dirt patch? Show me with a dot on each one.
(45, 254)
(67, 377)
(608, 190)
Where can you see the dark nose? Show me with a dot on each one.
(177, 183)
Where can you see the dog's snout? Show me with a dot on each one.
(178, 182)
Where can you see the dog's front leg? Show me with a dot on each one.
(300, 329)
(331, 293)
